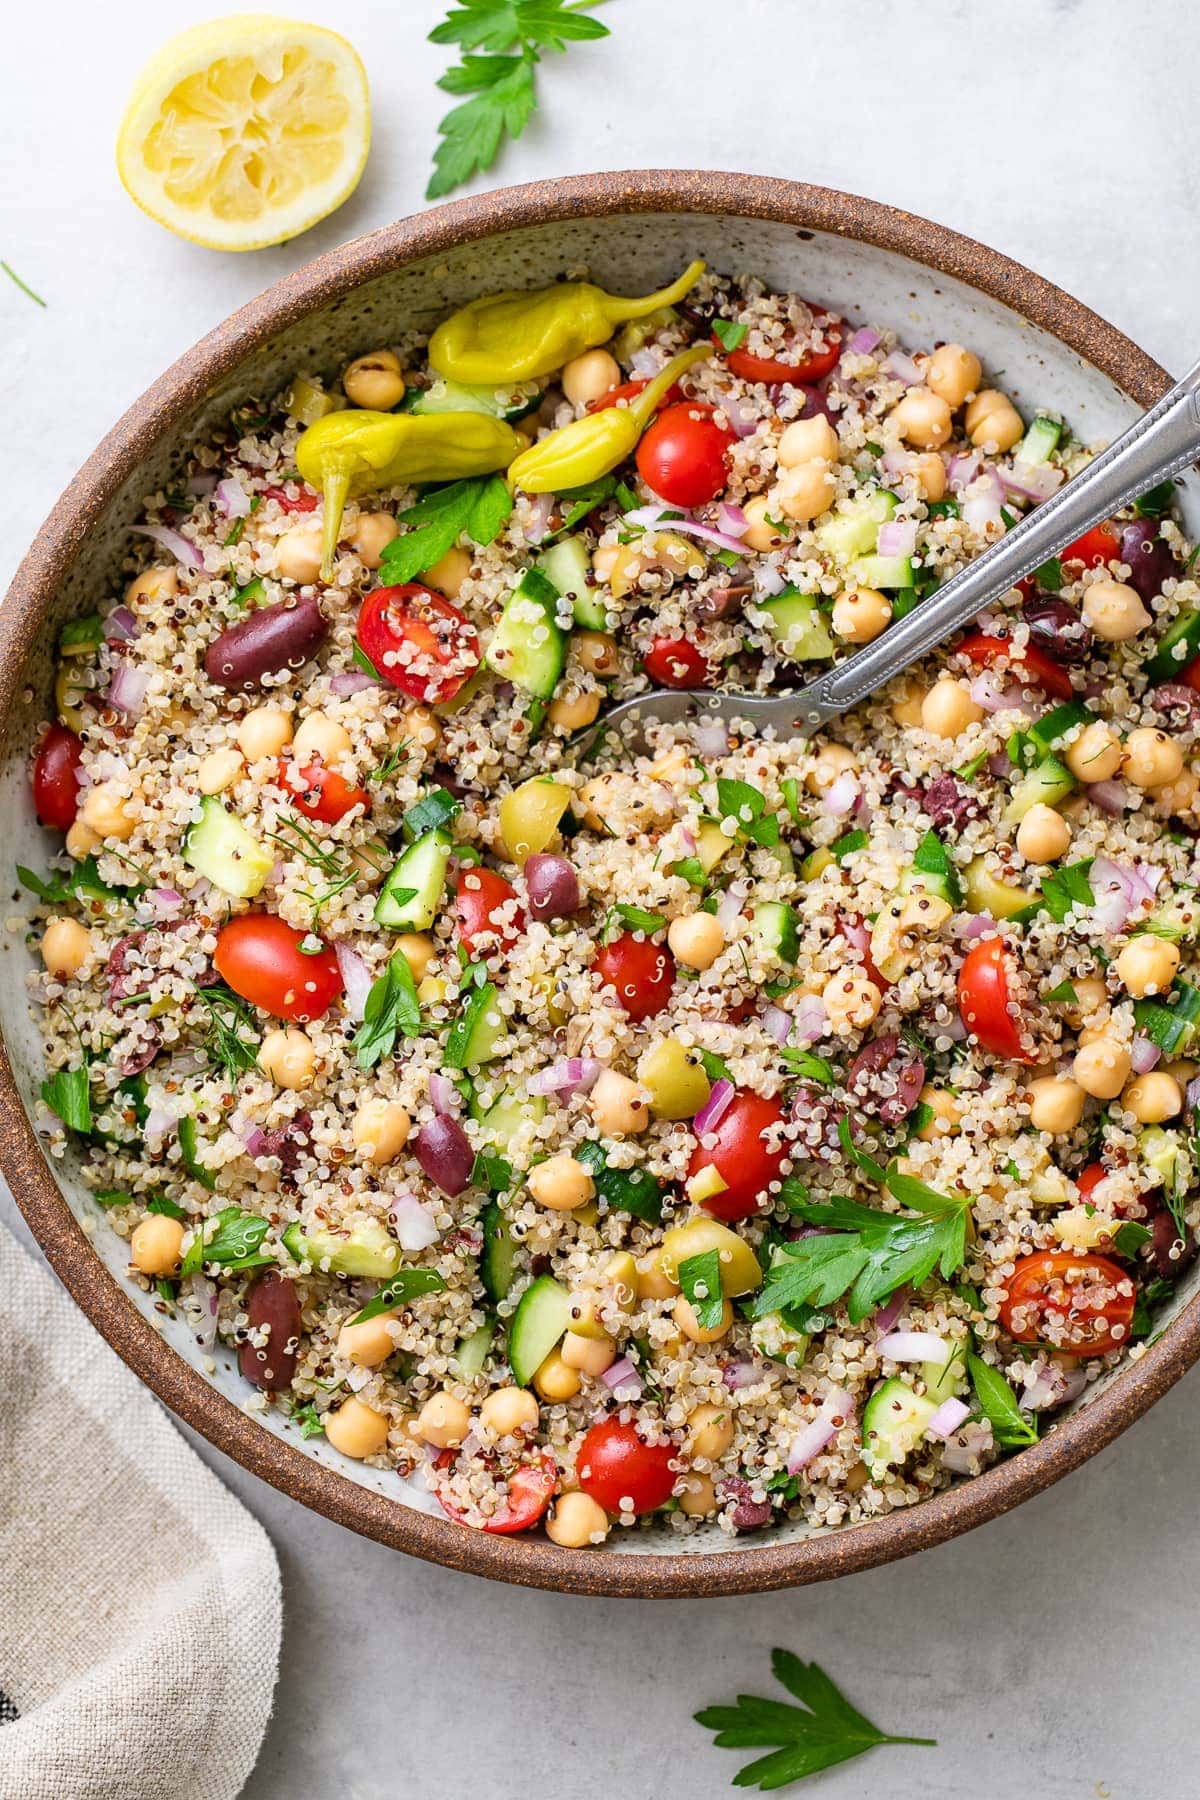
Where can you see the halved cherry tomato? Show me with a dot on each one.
(1100, 545)
(1031, 663)
(629, 390)
(1081, 1304)
(742, 1157)
(530, 1490)
(418, 641)
(809, 369)
(620, 1472)
(676, 663)
(985, 1000)
(259, 956)
(1089, 1179)
(321, 793)
(642, 973)
(682, 456)
(57, 768)
(479, 894)
(303, 502)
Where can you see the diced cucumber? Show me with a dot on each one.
(500, 1122)
(409, 898)
(933, 872)
(528, 646)
(1177, 918)
(541, 1320)
(987, 893)
(367, 1251)
(308, 401)
(1172, 1024)
(883, 572)
(944, 1380)
(774, 925)
(854, 528)
(1045, 785)
(773, 1337)
(1040, 441)
(460, 396)
(893, 1424)
(1049, 731)
(189, 1154)
(479, 1033)
(498, 1258)
(1159, 1150)
(797, 626)
(473, 1352)
(1177, 647)
(816, 863)
(568, 566)
(219, 847)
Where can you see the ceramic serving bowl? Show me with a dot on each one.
(632, 231)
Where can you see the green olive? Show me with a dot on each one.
(674, 1078)
(740, 1271)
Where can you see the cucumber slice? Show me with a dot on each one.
(473, 1352)
(409, 898)
(1040, 441)
(944, 1380)
(854, 527)
(1174, 1024)
(1159, 1150)
(500, 1122)
(1049, 731)
(498, 1259)
(460, 396)
(1177, 919)
(883, 572)
(528, 646)
(933, 872)
(367, 1251)
(1045, 785)
(893, 1424)
(541, 1320)
(796, 624)
(480, 1032)
(1176, 648)
(220, 847)
(189, 1154)
(774, 925)
(567, 565)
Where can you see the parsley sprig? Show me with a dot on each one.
(480, 505)
(229, 1019)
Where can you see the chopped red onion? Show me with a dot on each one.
(1052, 1385)
(351, 681)
(967, 1447)
(887, 1316)
(174, 541)
(975, 925)
(710, 738)
(572, 1075)
(1120, 890)
(232, 499)
(127, 689)
(902, 368)
(732, 520)
(948, 1417)
(737, 1375)
(864, 340)
(839, 797)
(962, 470)
(200, 485)
(648, 360)
(769, 579)
(356, 979)
(1192, 1094)
(981, 506)
(1032, 481)
(729, 907)
(1144, 1053)
(648, 517)
(687, 840)
(358, 1378)
(741, 423)
(715, 1107)
(855, 932)
(164, 902)
(777, 1023)
(444, 1152)
(199, 1297)
(538, 524)
(895, 463)
(998, 763)
(897, 537)
(415, 1229)
(836, 1409)
(443, 1093)
(810, 1019)
(120, 625)
(623, 1374)
(992, 694)
(1113, 796)
(915, 1346)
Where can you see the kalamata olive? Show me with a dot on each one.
(748, 1513)
(552, 886)
(277, 637)
(1175, 696)
(1170, 1251)
(886, 1077)
(725, 602)
(271, 1301)
(816, 405)
(444, 1152)
(1149, 557)
(288, 1142)
(948, 803)
(1057, 630)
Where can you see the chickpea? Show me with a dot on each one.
(561, 1183)
(152, 584)
(555, 1380)
(1102, 1067)
(1152, 759)
(375, 381)
(81, 840)
(709, 1431)
(1043, 835)
(948, 708)
(1153, 1098)
(264, 732)
(929, 473)
(1147, 965)
(1114, 610)
(762, 535)
(65, 947)
(356, 1429)
(953, 373)
(1091, 998)
(908, 709)
(590, 1355)
(320, 736)
(1095, 755)
(156, 1243)
(298, 554)
(443, 1420)
(448, 573)
(947, 1114)
(381, 1129)
(808, 440)
(218, 770)
(418, 952)
(698, 1500)
(596, 652)
(653, 1280)
(805, 491)
(106, 812)
(422, 728)
(369, 1344)
(573, 709)
(1055, 1104)
(851, 1002)
(697, 940)
(684, 1315)
(922, 418)
(509, 1410)
(604, 560)
(288, 1057)
(590, 377)
(993, 422)
(832, 760)
(372, 535)
(1176, 798)
(576, 1520)
(860, 616)
(618, 1105)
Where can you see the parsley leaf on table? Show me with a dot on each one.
(478, 505)
(823, 1730)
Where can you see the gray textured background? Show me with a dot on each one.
(1053, 1652)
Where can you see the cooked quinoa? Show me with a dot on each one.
(732, 1129)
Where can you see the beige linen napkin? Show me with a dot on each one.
(139, 1601)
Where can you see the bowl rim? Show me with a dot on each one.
(530, 1562)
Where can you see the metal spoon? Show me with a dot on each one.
(1162, 443)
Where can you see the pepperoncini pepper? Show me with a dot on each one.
(593, 446)
(347, 454)
(516, 336)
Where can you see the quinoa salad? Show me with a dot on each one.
(736, 1129)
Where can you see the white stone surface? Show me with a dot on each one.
(1052, 1651)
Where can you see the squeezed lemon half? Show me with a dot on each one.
(245, 131)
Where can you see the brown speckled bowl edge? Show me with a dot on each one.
(534, 1562)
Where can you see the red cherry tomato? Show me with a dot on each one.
(530, 1490)
(1089, 1179)
(56, 771)
(304, 502)
(985, 1000)
(419, 642)
(676, 663)
(1031, 663)
(1190, 676)
(479, 894)
(629, 390)
(642, 973)
(1100, 545)
(620, 1472)
(809, 369)
(682, 456)
(857, 933)
(1081, 1304)
(741, 1157)
(259, 956)
(321, 793)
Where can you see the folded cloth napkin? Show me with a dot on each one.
(139, 1601)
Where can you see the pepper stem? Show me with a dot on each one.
(335, 487)
(646, 404)
(619, 309)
